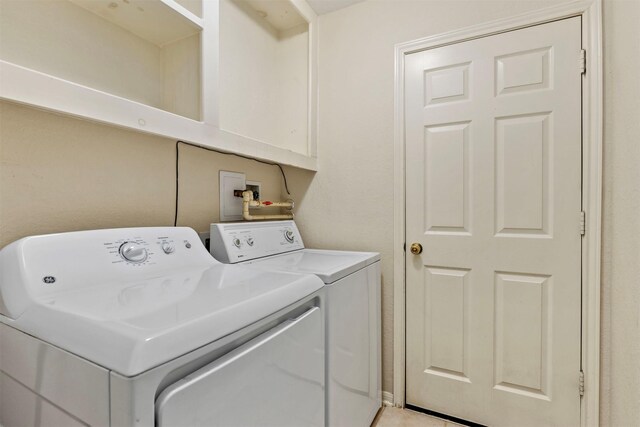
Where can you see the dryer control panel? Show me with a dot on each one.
(38, 267)
(135, 250)
(243, 241)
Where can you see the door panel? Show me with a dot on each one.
(522, 174)
(493, 181)
(446, 176)
(446, 308)
(522, 340)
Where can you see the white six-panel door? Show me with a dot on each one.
(493, 190)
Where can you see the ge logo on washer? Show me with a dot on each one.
(49, 279)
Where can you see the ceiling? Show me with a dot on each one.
(325, 6)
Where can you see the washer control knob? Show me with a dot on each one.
(168, 248)
(250, 241)
(133, 252)
(236, 242)
(288, 234)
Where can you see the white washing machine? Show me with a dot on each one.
(352, 282)
(142, 327)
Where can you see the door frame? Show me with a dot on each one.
(592, 128)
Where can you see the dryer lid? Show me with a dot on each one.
(329, 266)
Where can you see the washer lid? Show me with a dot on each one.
(133, 326)
(327, 265)
(130, 299)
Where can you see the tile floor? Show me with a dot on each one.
(396, 417)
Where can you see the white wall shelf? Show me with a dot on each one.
(158, 74)
(26, 87)
(267, 72)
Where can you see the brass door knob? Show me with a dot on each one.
(416, 248)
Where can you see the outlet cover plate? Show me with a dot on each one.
(231, 206)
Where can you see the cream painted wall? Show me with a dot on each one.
(62, 174)
(348, 204)
(620, 352)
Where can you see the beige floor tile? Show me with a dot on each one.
(396, 417)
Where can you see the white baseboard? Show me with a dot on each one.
(387, 398)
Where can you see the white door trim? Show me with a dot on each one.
(591, 13)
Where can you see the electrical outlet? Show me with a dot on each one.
(231, 206)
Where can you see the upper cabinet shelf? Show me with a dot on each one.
(159, 21)
(266, 69)
(175, 68)
(61, 39)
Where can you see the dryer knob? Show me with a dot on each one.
(168, 248)
(133, 252)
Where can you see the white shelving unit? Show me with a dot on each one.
(148, 65)
(264, 72)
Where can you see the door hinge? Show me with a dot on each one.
(404, 246)
(581, 383)
(583, 223)
(582, 62)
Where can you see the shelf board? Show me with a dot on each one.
(26, 86)
(281, 14)
(234, 143)
(158, 21)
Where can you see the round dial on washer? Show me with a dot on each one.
(236, 242)
(288, 234)
(133, 252)
(168, 248)
(250, 241)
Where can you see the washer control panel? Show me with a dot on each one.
(237, 242)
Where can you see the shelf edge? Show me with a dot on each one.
(33, 88)
(184, 12)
